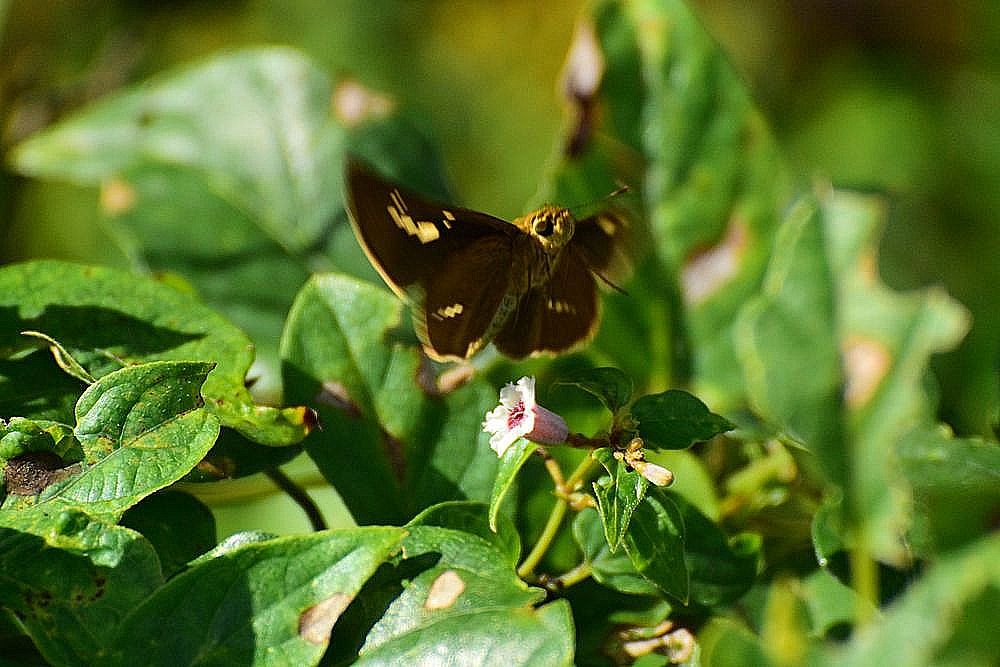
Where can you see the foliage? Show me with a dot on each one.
(821, 515)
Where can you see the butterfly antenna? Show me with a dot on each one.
(620, 190)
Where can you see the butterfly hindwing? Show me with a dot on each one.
(600, 239)
(406, 236)
(555, 317)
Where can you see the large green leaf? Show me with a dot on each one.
(271, 602)
(142, 428)
(614, 570)
(956, 488)
(501, 637)
(390, 444)
(177, 542)
(228, 172)
(71, 580)
(788, 341)
(108, 318)
(715, 183)
(467, 575)
(839, 361)
(947, 617)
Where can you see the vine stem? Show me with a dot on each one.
(299, 495)
(558, 512)
(864, 576)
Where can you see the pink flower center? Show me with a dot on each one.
(515, 415)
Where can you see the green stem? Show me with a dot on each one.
(555, 519)
(581, 473)
(544, 540)
(574, 576)
(864, 576)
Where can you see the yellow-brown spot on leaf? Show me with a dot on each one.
(444, 591)
(317, 622)
(354, 104)
(708, 270)
(117, 196)
(866, 363)
(335, 395)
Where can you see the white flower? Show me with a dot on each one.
(518, 416)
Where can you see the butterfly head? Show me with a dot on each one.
(551, 226)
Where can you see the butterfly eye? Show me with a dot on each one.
(544, 227)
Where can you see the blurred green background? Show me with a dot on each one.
(890, 96)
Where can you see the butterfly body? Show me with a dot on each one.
(528, 285)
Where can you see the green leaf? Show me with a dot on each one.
(19, 436)
(108, 318)
(472, 518)
(956, 488)
(721, 568)
(676, 420)
(141, 429)
(247, 144)
(839, 360)
(33, 386)
(176, 542)
(611, 386)
(726, 643)
(715, 183)
(268, 603)
(71, 580)
(788, 341)
(655, 543)
(467, 574)
(613, 570)
(617, 496)
(510, 463)
(941, 618)
(521, 636)
(408, 446)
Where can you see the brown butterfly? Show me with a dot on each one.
(527, 285)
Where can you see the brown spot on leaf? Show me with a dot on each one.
(117, 196)
(444, 591)
(866, 362)
(335, 395)
(581, 81)
(354, 104)
(706, 271)
(29, 474)
(316, 622)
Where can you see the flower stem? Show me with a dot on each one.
(572, 577)
(557, 514)
(580, 474)
(544, 540)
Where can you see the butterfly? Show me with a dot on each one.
(529, 286)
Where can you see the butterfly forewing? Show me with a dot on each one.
(406, 236)
(555, 317)
(464, 302)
